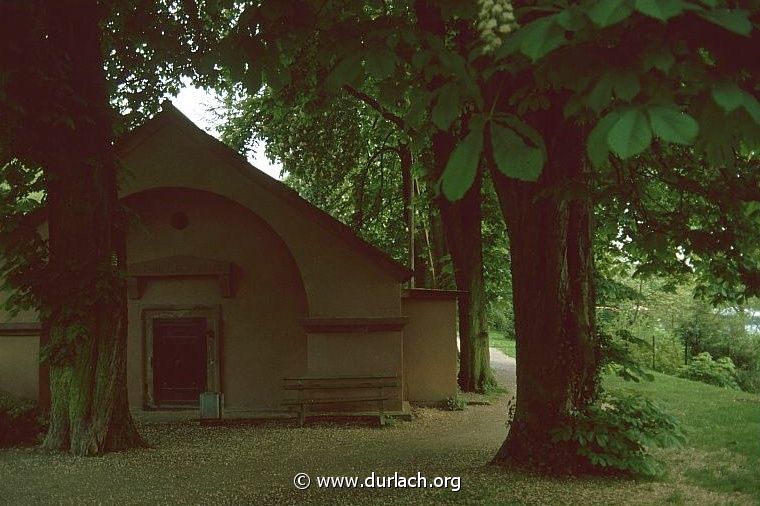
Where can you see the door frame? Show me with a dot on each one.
(213, 316)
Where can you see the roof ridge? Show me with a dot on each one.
(169, 112)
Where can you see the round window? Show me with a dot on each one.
(179, 220)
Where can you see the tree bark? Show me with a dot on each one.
(407, 189)
(85, 304)
(462, 229)
(550, 231)
(439, 261)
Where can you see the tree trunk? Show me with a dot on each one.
(439, 256)
(462, 229)
(407, 189)
(550, 233)
(85, 304)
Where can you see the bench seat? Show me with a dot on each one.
(309, 386)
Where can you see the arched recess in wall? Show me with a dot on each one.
(189, 221)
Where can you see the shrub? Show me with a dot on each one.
(501, 317)
(749, 378)
(20, 422)
(616, 355)
(616, 432)
(456, 403)
(704, 368)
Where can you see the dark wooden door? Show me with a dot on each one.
(179, 360)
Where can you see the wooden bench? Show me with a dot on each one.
(319, 390)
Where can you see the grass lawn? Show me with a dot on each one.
(499, 341)
(255, 464)
(722, 452)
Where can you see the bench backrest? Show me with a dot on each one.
(340, 382)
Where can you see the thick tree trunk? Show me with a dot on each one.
(462, 228)
(461, 224)
(86, 300)
(550, 230)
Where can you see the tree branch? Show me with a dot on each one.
(372, 102)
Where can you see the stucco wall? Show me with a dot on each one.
(304, 269)
(261, 339)
(19, 365)
(338, 280)
(359, 354)
(430, 353)
(19, 355)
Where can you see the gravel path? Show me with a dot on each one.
(256, 463)
(504, 367)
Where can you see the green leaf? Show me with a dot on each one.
(608, 12)
(541, 37)
(346, 71)
(751, 106)
(728, 96)
(252, 80)
(277, 78)
(511, 44)
(381, 63)
(660, 9)
(571, 20)
(662, 60)
(418, 105)
(463, 165)
(671, 125)
(527, 131)
(446, 108)
(630, 135)
(626, 85)
(454, 63)
(735, 20)
(513, 156)
(420, 59)
(601, 94)
(597, 148)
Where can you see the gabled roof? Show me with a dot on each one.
(170, 115)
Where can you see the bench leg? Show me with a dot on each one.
(382, 412)
(302, 415)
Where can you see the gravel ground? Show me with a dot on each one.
(504, 368)
(256, 464)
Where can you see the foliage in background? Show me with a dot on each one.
(616, 355)
(721, 372)
(662, 325)
(343, 159)
(496, 261)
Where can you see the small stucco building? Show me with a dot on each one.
(235, 282)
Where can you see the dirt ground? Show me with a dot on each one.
(256, 464)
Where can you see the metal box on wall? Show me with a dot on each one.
(211, 405)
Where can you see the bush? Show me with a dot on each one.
(721, 372)
(749, 379)
(456, 403)
(616, 432)
(20, 422)
(501, 318)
